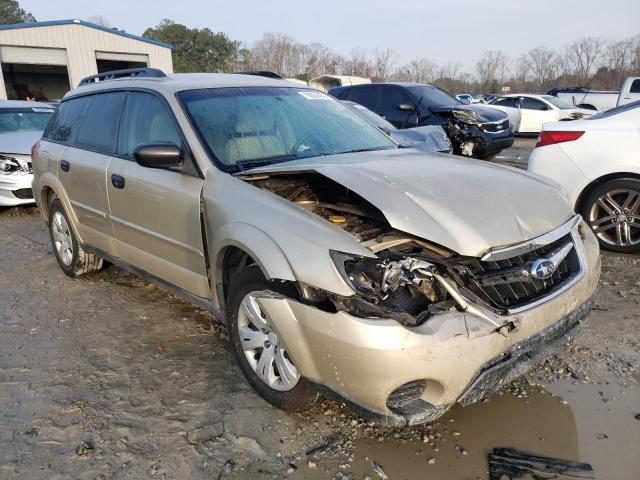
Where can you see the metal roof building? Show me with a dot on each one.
(44, 60)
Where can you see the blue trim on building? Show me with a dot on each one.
(86, 24)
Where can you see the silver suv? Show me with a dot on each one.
(397, 280)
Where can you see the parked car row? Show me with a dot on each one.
(528, 113)
(21, 126)
(336, 257)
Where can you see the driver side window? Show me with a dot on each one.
(533, 104)
(145, 119)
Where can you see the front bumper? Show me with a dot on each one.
(15, 189)
(492, 143)
(458, 355)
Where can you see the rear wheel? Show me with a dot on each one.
(73, 260)
(261, 353)
(613, 212)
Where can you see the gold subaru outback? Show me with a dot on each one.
(398, 281)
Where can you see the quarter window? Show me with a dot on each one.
(99, 127)
(65, 122)
(146, 119)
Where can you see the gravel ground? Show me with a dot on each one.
(107, 376)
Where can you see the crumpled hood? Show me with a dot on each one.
(465, 205)
(18, 142)
(484, 114)
(430, 138)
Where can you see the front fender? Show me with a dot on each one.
(255, 242)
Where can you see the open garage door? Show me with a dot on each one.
(108, 61)
(39, 73)
(41, 82)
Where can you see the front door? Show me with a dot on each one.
(534, 114)
(156, 212)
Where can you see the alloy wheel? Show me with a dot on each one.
(62, 238)
(615, 217)
(263, 349)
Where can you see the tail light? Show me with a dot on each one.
(34, 149)
(551, 137)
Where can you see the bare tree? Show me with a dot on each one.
(99, 20)
(383, 62)
(492, 69)
(582, 57)
(539, 64)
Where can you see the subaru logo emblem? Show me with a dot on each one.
(542, 268)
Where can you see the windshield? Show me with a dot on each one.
(24, 119)
(247, 127)
(432, 96)
(372, 117)
(561, 104)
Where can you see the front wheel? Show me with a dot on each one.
(261, 353)
(613, 212)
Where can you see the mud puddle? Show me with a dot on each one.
(591, 423)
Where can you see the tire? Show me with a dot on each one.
(613, 212)
(302, 395)
(73, 260)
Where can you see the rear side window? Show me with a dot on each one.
(506, 102)
(99, 129)
(146, 119)
(635, 86)
(65, 122)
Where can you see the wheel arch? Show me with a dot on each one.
(232, 243)
(599, 181)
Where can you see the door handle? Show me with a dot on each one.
(117, 181)
(64, 165)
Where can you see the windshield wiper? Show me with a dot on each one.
(243, 165)
(371, 149)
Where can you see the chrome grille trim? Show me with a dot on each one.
(533, 244)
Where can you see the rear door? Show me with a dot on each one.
(156, 212)
(88, 126)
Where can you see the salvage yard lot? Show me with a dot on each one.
(107, 376)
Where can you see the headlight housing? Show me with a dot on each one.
(466, 116)
(10, 165)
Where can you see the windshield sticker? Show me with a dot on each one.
(311, 95)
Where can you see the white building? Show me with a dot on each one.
(327, 82)
(46, 59)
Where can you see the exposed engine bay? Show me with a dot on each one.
(400, 283)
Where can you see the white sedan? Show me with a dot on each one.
(597, 163)
(21, 126)
(536, 110)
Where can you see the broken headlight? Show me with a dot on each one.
(8, 164)
(466, 116)
(387, 278)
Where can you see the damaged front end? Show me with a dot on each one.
(476, 134)
(425, 327)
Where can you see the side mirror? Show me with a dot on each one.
(407, 107)
(158, 155)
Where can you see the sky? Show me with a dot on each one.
(443, 31)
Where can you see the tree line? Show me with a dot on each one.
(591, 61)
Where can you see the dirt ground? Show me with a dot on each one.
(109, 377)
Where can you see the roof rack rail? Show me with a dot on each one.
(129, 72)
(260, 73)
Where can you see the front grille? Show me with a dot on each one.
(496, 127)
(23, 193)
(508, 284)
